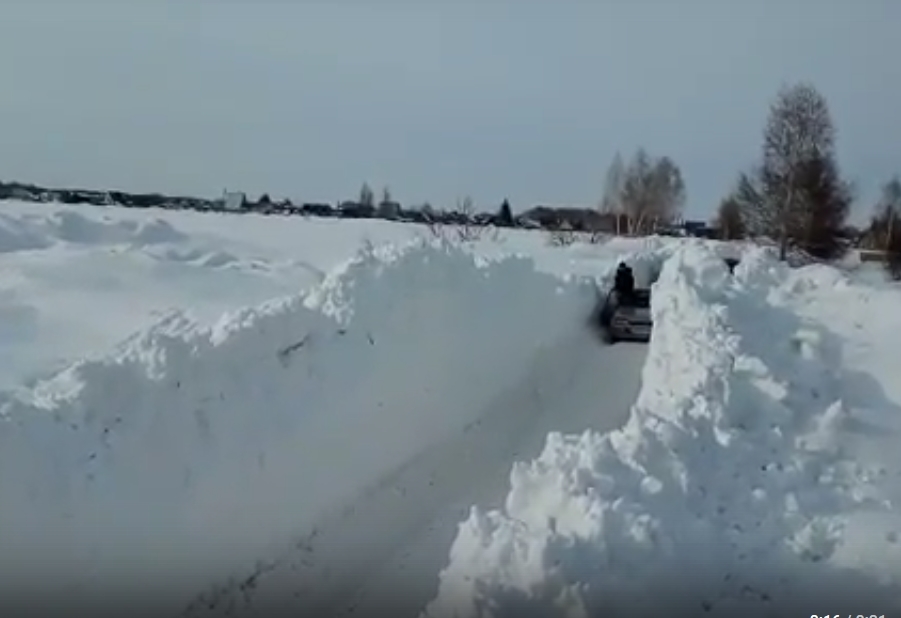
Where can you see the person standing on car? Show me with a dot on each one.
(624, 282)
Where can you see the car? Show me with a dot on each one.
(629, 319)
(626, 318)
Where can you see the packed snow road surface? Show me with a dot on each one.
(382, 552)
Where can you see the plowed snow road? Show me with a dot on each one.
(381, 554)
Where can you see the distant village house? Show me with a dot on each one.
(233, 200)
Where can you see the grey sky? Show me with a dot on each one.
(438, 99)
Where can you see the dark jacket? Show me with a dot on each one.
(625, 280)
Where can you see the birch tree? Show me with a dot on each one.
(796, 196)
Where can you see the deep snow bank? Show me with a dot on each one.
(191, 451)
(724, 494)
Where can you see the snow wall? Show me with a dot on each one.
(723, 495)
(192, 448)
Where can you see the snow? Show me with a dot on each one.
(207, 446)
(237, 414)
(861, 324)
(80, 279)
(76, 280)
(733, 488)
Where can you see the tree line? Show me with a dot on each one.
(644, 195)
(795, 196)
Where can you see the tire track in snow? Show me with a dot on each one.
(382, 553)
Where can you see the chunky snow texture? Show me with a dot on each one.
(723, 495)
(193, 448)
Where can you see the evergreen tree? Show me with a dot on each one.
(505, 215)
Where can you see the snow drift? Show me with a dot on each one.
(192, 448)
(724, 494)
(32, 231)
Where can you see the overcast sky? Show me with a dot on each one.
(438, 99)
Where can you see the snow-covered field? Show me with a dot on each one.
(212, 414)
(77, 279)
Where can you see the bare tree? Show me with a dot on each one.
(611, 201)
(433, 222)
(466, 230)
(799, 128)
(653, 192)
(885, 228)
(729, 220)
(669, 190)
(386, 195)
(636, 194)
(749, 198)
(797, 196)
(888, 209)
